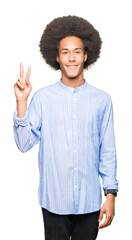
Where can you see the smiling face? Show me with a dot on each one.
(71, 57)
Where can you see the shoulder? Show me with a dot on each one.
(42, 91)
(99, 93)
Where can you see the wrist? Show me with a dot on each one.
(19, 101)
(21, 108)
(110, 197)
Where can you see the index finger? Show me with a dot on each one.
(21, 71)
(105, 224)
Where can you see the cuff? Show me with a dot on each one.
(20, 121)
(114, 191)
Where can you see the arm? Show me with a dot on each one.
(26, 121)
(108, 162)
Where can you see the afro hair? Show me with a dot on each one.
(62, 27)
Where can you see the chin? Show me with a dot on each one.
(72, 77)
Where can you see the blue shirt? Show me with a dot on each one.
(75, 131)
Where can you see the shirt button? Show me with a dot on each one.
(75, 133)
(74, 115)
(75, 150)
(75, 186)
(74, 98)
(75, 169)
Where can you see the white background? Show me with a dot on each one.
(21, 26)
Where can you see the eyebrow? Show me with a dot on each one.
(68, 49)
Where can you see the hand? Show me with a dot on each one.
(22, 87)
(109, 209)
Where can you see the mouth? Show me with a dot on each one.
(71, 66)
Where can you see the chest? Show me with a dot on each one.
(73, 111)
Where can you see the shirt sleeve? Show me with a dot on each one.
(107, 154)
(27, 130)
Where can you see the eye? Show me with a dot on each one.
(77, 52)
(65, 53)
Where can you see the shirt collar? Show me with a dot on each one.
(71, 89)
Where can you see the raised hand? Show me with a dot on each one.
(22, 87)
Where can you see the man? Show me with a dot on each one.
(73, 122)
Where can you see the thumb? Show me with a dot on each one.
(100, 216)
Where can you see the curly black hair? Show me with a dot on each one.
(69, 26)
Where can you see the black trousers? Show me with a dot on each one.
(79, 227)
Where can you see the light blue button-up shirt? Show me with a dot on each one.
(75, 131)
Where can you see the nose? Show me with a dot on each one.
(71, 56)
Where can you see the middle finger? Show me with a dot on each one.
(28, 73)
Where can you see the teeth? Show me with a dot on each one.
(72, 67)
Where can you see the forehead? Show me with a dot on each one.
(71, 42)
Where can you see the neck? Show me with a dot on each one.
(73, 82)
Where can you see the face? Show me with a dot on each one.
(71, 57)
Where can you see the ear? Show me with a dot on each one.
(85, 56)
(57, 58)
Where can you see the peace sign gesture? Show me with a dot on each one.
(22, 87)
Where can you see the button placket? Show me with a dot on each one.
(75, 150)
